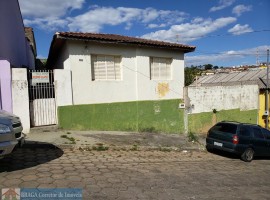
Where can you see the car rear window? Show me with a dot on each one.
(225, 127)
(245, 131)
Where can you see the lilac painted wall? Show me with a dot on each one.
(14, 47)
(5, 86)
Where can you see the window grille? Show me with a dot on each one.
(106, 67)
(160, 68)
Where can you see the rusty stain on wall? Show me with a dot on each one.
(163, 89)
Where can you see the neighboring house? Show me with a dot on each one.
(17, 54)
(109, 68)
(225, 91)
(29, 33)
(15, 49)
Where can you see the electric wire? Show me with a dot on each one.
(158, 81)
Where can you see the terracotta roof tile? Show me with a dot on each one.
(124, 39)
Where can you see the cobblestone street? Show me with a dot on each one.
(137, 174)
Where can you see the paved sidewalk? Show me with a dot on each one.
(136, 175)
(115, 140)
(131, 167)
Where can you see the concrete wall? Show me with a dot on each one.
(5, 86)
(262, 108)
(135, 67)
(205, 99)
(20, 97)
(14, 46)
(143, 116)
(62, 84)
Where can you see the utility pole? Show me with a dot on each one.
(177, 38)
(267, 92)
(257, 58)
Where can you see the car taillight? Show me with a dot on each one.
(235, 139)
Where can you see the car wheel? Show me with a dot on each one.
(248, 155)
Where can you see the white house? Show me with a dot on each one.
(107, 68)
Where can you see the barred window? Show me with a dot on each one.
(160, 68)
(106, 67)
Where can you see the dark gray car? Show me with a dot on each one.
(246, 140)
(10, 132)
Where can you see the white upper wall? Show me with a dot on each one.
(159, 89)
(135, 67)
(205, 99)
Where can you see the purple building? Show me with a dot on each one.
(16, 50)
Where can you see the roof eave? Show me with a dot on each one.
(185, 49)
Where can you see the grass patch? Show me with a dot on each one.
(100, 147)
(165, 149)
(134, 147)
(71, 139)
(192, 137)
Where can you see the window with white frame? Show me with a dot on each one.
(160, 68)
(106, 67)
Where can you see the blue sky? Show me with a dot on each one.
(225, 32)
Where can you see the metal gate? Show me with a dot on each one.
(42, 98)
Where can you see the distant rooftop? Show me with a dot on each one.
(249, 77)
(29, 33)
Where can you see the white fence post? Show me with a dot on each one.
(63, 89)
(20, 97)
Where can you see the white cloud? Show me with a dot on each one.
(52, 15)
(156, 25)
(48, 8)
(239, 9)
(240, 29)
(222, 4)
(190, 31)
(95, 19)
(52, 23)
(231, 55)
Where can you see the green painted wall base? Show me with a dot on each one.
(201, 122)
(143, 116)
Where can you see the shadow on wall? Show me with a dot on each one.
(201, 122)
(30, 155)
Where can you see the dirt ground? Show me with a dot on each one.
(115, 139)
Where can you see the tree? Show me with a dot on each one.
(208, 66)
(190, 74)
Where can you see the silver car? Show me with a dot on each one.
(10, 133)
